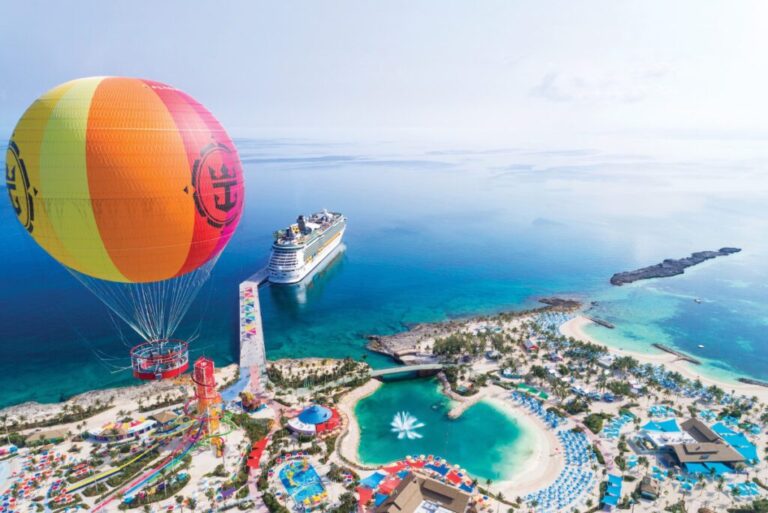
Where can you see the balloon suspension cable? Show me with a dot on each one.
(108, 361)
(153, 309)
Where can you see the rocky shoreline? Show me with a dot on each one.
(669, 267)
(404, 348)
(752, 381)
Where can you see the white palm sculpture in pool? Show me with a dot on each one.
(405, 425)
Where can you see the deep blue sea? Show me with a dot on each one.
(432, 234)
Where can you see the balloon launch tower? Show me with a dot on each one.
(208, 398)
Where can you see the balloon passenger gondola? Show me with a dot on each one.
(159, 359)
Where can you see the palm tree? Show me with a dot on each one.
(180, 501)
(4, 418)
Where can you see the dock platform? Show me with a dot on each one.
(253, 357)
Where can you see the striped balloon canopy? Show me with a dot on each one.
(123, 179)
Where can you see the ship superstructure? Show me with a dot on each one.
(301, 247)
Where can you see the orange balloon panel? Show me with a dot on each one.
(124, 179)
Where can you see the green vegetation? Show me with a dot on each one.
(95, 490)
(336, 473)
(69, 413)
(273, 505)
(758, 506)
(56, 507)
(594, 421)
(576, 406)
(255, 429)
(312, 377)
(458, 344)
(162, 402)
(132, 469)
(347, 504)
(166, 488)
(598, 455)
(678, 507)
(619, 387)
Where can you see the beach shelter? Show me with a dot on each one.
(373, 480)
(440, 469)
(364, 495)
(696, 468)
(453, 477)
(389, 485)
(395, 468)
(718, 468)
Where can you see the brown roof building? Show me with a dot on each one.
(700, 431)
(649, 489)
(164, 417)
(708, 448)
(52, 435)
(417, 494)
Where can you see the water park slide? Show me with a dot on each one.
(79, 485)
(168, 463)
(147, 476)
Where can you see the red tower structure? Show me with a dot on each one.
(208, 398)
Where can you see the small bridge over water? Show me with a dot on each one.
(423, 369)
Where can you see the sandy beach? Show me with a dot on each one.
(545, 462)
(349, 442)
(576, 328)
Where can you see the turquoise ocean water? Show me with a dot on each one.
(504, 441)
(432, 234)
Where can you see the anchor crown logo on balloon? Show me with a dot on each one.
(135, 188)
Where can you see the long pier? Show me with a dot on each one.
(253, 357)
(680, 355)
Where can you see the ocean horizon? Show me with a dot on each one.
(432, 234)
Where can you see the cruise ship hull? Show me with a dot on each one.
(295, 275)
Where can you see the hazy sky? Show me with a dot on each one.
(520, 73)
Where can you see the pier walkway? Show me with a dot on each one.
(253, 358)
(423, 368)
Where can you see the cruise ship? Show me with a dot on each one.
(301, 247)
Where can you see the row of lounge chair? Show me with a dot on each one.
(537, 407)
(573, 482)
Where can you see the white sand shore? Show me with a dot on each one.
(349, 442)
(545, 462)
(575, 328)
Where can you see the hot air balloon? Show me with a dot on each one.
(136, 189)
